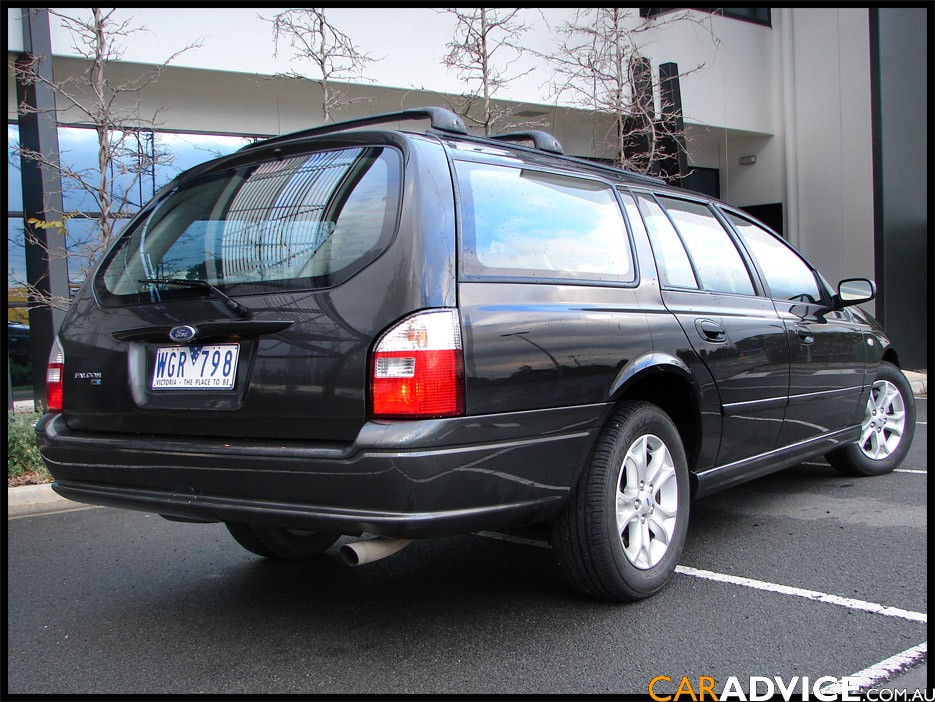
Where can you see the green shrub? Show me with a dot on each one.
(22, 451)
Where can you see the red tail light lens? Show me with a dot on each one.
(53, 378)
(417, 369)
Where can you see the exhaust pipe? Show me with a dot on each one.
(370, 550)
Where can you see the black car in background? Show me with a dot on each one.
(19, 354)
(349, 331)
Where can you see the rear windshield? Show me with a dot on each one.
(305, 221)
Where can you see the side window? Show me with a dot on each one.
(675, 270)
(788, 276)
(716, 258)
(523, 222)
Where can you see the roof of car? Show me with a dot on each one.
(544, 148)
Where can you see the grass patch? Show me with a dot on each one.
(24, 464)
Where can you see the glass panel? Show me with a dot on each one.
(188, 150)
(131, 171)
(788, 276)
(675, 270)
(17, 338)
(15, 254)
(307, 219)
(13, 171)
(525, 222)
(78, 153)
(83, 242)
(716, 259)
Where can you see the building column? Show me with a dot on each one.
(46, 267)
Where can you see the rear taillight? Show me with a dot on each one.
(53, 378)
(417, 368)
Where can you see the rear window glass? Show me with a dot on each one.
(675, 270)
(300, 222)
(716, 259)
(529, 223)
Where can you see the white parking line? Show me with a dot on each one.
(884, 670)
(849, 603)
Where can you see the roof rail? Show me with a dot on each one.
(440, 118)
(540, 140)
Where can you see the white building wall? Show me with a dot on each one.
(735, 105)
(832, 153)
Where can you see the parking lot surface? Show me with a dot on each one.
(802, 573)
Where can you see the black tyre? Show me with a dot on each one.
(886, 430)
(621, 534)
(279, 543)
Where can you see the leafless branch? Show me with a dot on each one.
(599, 65)
(113, 109)
(483, 50)
(312, 38)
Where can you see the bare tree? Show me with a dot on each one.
(599, 64)
(313, 38)
(483, 50)
(113, 109)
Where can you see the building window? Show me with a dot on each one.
(757, 15)
(131, 186)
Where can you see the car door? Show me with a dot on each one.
(735, 330)
(827, 349)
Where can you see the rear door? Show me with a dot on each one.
(303, 242)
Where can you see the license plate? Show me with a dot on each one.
(196, 367)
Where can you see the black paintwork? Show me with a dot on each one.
(752, 384)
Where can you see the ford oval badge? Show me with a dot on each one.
(182, 334)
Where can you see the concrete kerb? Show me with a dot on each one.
(41, 499)
(919, 383)
(31, 500)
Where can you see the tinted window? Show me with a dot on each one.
(716, 259)
(788, 276)
(517, 221)
(305, 221)
(675, 269)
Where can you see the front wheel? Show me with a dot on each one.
(279, 543)
(886, 429)
(621, 534)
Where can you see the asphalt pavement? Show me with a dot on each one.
(801, 573)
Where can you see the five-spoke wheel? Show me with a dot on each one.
(886, 430)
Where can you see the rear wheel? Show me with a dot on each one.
(886, 429)
(279, 543)
(621, 534)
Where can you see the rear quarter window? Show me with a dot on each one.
(520, 222)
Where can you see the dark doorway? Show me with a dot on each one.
(770, 215)
(703, 180)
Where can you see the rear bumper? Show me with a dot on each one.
(413, 479)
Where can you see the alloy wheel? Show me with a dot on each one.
(884, 421)
(647, 501)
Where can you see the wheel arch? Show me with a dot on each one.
(890, 356)
(666, 382)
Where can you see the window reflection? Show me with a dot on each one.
(145, 161)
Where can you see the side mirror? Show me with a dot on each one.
(854, 291)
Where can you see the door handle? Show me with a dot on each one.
(805, 335)
(710, 330)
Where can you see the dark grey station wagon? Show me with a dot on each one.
(349, 331)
